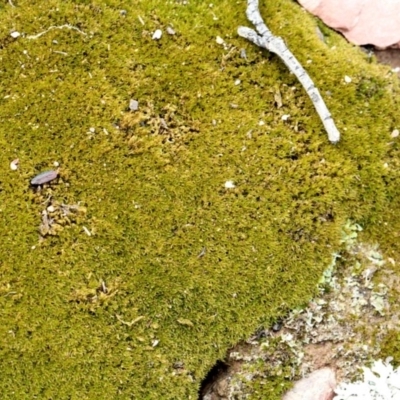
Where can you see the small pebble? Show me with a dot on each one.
(395, 133)
(170, 31)
(122, 12)
(219, 40)
(237, 82)
(56, 164)
(347, 79)
(15, 34)
(277, 327)
(229, 185)
(133, 105)
(157, 34)
(14, 164)
(51, 209)
(285, 117)
(92, 130)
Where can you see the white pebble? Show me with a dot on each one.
(170, 31)
(347, 79)
(133, 105)
(157, 34)
(56, 164)
(261, 123)
(51, 209)
(395, 133)
(229, 185)
(92, 130)
(14, 164)
(219, 40)
(285, 117)
(15, 34)
(237, 82)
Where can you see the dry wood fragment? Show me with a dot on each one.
(265, 39)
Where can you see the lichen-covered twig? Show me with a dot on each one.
(265, 39)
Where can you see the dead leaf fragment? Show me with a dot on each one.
(184, 321)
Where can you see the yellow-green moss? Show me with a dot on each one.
(152, 211)
(390, 347)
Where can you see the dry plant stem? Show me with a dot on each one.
(68, 26)
(265, 39)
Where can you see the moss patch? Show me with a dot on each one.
(154, 194)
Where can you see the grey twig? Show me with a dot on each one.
(265, 39)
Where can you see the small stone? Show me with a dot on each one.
(92, 130)
(15, 35)
(347, 79)
(51, 209)
(237, 82)
(56, 164)
(122, 12)
(319, 385)
(14, 164)
(285, 117)
(219, 40)
(170, 31)
(261, 123)
(133, 105)
(277, 327)
(395, 133)
(229, 185)
(157, 34)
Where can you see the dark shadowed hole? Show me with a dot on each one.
(216, 373)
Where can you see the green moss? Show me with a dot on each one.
(273, 374)
(390, 347)
(155, 197)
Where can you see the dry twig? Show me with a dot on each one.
(265, 39)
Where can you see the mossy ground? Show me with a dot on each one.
(155, 197)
